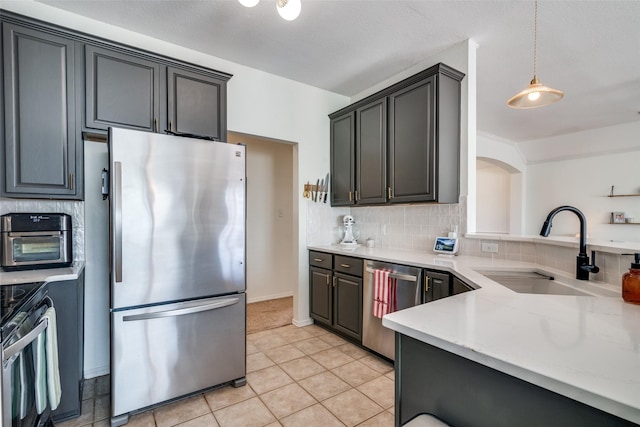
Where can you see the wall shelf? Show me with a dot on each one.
(625, 223)
(624, 195)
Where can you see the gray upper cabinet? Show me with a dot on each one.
(412, 163)
(196, 104)
(40, 152)
(342, 159)
(407, 141)
(371, 153)
(121, 90)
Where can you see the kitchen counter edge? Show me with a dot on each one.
(46, 275)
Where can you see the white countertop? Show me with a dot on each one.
(586, 348)
(43, 275)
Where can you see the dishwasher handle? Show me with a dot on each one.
(405, 277)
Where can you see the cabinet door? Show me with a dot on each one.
(371, 153)
(437, 285)
(458, 286)
(342, 159)
(68, 299)
(121, 90)
(39, 114)
(347, 305)
(196, 104)
(320, 295)
(412, 143)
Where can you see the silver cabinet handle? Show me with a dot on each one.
(117, 213)
(318, 259)
(345, 266)
(405, 277)
(182, 311)
(17, 347)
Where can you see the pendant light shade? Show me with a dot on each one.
(536, 94)
(249, 3)
(288, 9)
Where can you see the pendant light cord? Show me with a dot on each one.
(535, 39)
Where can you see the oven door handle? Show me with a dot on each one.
(19, 345)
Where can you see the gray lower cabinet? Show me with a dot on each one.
(68, 299)
(41, 156)
(371, 153)
(343, 159)
(196, 104)
(122, 90)
(335, 294)
(458, 286)
(437, 285)
(464, 393)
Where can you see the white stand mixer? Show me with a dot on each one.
(348, 240)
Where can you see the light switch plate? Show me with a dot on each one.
(489, 247)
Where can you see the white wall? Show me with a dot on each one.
(599, 159)
(271, 256)
(493, 206)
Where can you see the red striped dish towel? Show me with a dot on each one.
(384, 293)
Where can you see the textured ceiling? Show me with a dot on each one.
(589, 49)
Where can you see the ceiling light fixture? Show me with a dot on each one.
(288, 9)
(536, 94)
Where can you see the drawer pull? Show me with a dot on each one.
(318, 259)
(345, 266)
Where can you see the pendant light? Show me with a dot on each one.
(288, 9)
(536, 94)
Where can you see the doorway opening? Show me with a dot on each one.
(272, 220)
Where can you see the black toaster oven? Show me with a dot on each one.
(35, 240)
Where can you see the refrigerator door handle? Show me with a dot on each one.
(182, 311)
(117, 214)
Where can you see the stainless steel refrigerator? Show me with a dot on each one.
(177, 238)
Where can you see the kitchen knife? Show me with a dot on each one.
(321, 190)
(315, 195)
(326, 188)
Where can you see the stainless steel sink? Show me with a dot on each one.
(533, 282)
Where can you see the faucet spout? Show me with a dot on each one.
(583, 268)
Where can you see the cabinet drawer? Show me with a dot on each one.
(348, 265)
(321, 259)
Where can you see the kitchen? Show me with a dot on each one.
(255, 94)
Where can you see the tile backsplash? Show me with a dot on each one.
(407, 227)
(73, 208)
(414, 227)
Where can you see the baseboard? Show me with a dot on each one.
(268, 297)
(304, 322)
(96, 372)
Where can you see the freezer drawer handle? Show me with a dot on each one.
(182, 311)
(405, 277)
(17, 347)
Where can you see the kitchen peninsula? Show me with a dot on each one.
(496, 357)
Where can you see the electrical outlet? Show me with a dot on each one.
(489, 247)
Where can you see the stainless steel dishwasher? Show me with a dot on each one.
(374, 335)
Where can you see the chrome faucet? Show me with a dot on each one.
(583, 268)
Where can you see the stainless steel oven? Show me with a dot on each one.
(23, 328)
(35, 240)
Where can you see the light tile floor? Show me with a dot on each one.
(296, 377)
